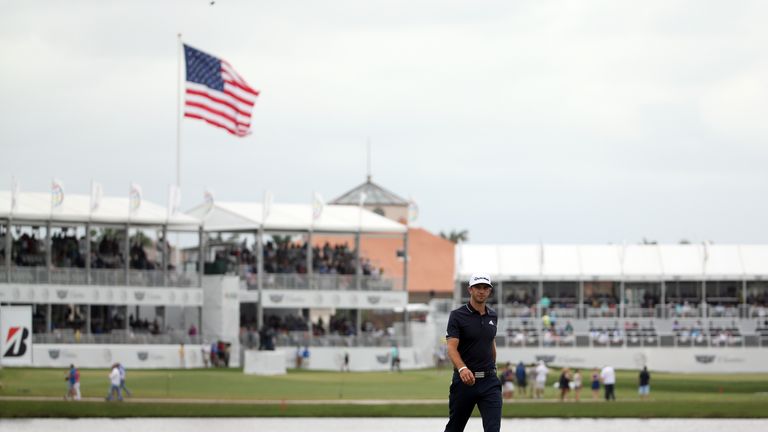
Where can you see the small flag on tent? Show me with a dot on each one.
(57, 194)
(209, 199)
(266, 207)
(318, 205)
(14, 194)
(134, 198)
(174, 200)
(216, 93)
(96, 193)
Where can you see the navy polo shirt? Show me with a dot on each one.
(476, 334)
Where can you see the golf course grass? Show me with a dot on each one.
(300, 393)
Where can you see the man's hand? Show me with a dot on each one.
(467, 377)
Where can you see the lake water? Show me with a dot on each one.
(373, 425)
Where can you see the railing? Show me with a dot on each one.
(639, 338)
(67, 336)
(302, 338)
(518, 311)
(324, 282)
(760, 312)
(639, 312)
(636, 312)
(602, 312)
(108, 277)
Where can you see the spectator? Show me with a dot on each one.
(522, 378)
(73, 383)
(205, 351)
(576, 384)
(507, 378)
(595, 384)
(564, 384)
(541, 379)
(114, 384)
(121, 368)
(395, 354)
(608, 377)
(644, 388)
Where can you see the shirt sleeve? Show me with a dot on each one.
(453, 327)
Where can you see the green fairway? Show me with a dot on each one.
(672, 395)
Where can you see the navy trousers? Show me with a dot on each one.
(486, 394)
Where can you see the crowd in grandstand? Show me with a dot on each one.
(290, 330)
(70, 251)
(698, 334)
(291, 257)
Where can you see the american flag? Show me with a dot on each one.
(216, 93)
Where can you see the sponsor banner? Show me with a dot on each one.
(264, 363)
(132, 356)
(360, 359)
(16, 333)
(328, 299)
(681, 359)
(105, 295)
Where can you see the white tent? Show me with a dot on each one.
(614, 262)
(35, 207)
(248, 216)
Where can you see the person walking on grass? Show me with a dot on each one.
(73, 383)
(114, 384)
(608, 376)
(471, 336)
(595, 384)
(541, 379)
(564, 384)
(521, 378)
(345, 364)
(576, 384)
(645, 383)
(123, 387)
(507, 378)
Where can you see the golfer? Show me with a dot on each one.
(471, 340)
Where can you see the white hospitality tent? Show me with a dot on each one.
(637, 262)
(249, 216)
(672, 268)
(36, 207)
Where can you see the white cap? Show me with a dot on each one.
(480, 278)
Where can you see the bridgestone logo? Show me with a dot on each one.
(16, 341)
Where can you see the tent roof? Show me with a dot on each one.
(569, 262)
(36, 207)
(247, 216)
(374, 195)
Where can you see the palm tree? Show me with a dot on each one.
(456, 236)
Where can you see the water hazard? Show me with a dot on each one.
(373, 425)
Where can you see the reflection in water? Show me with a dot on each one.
(371, 425)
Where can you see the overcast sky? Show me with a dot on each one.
(521, 121)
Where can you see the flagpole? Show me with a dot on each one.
(178, 112)
(179, 49)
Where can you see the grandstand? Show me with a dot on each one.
(705, 302)
(104, 284)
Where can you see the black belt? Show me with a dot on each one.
(485, 374)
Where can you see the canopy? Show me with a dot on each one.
(248, 216)
(35, 207)
(613, 262)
